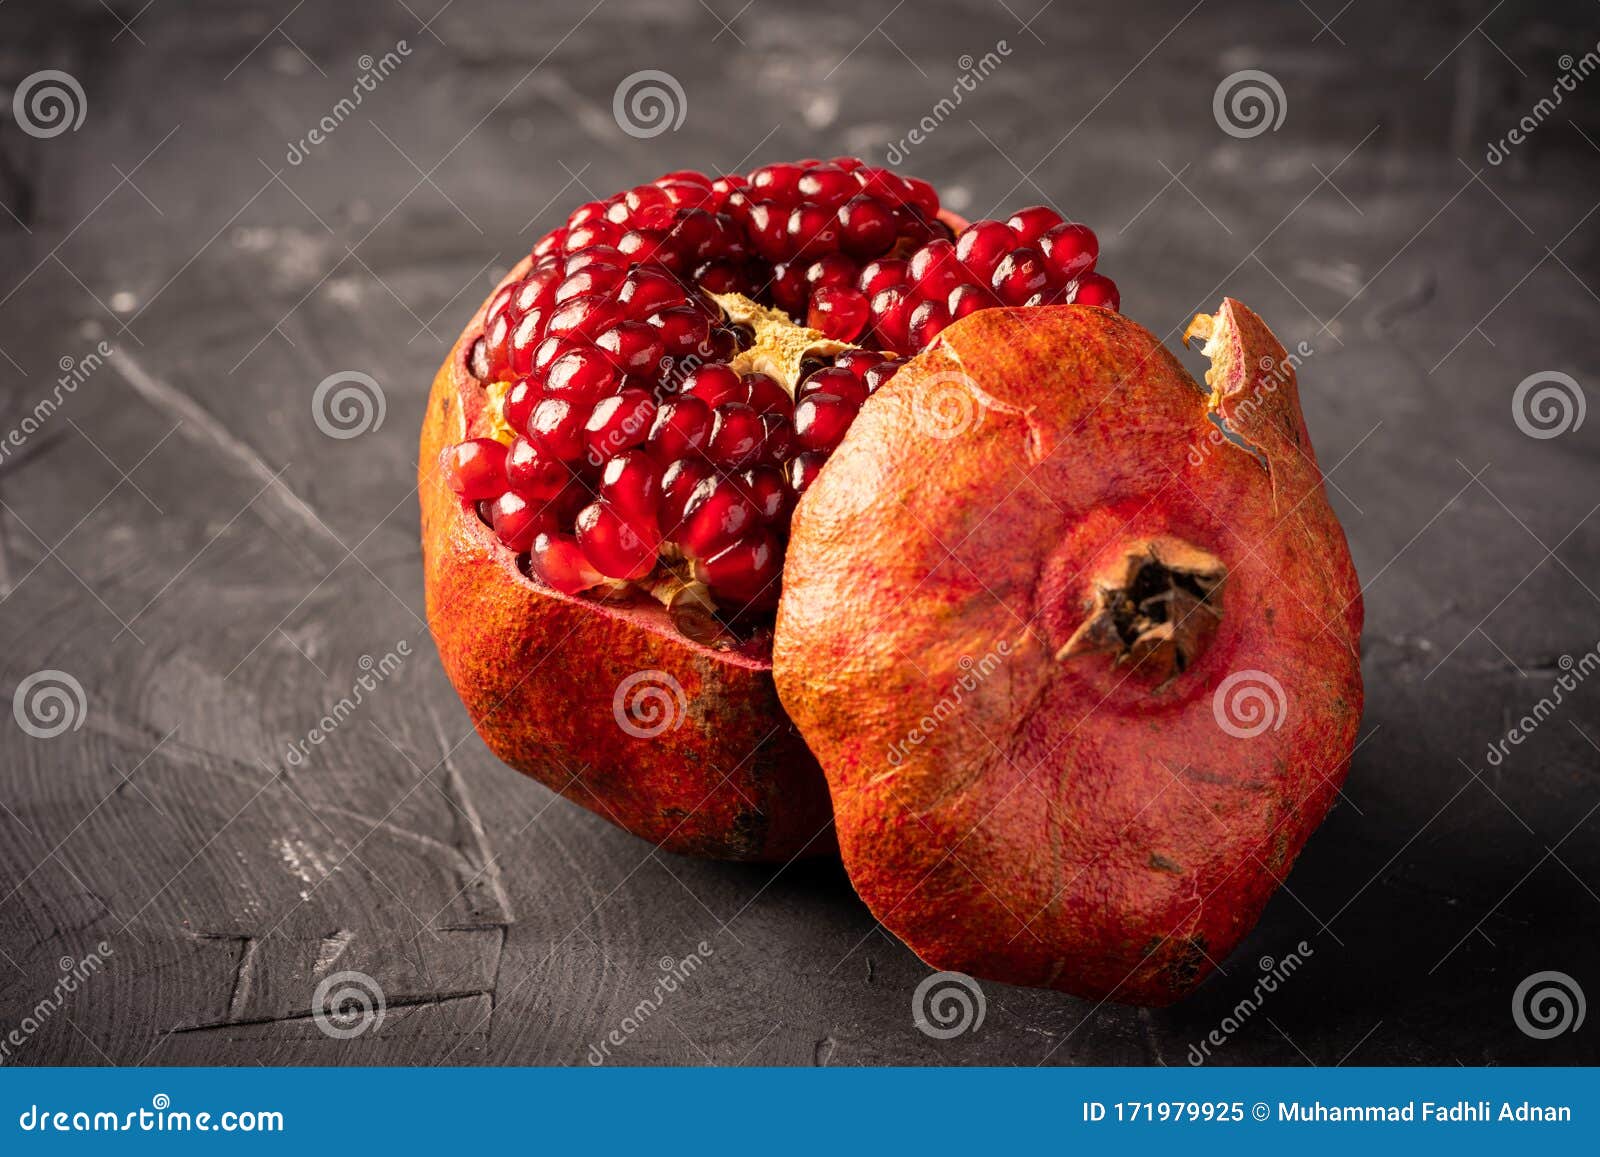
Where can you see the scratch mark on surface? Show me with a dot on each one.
(485, 864)
(421, 1000)
(203, 427)
(332, 948)
(822, 1052)
(244, 979)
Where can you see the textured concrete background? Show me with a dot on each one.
(178, 539)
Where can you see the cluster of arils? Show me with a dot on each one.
(643, 441)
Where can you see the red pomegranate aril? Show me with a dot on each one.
(746, 571)
(631, 482)
(877, 276)
(768, 492)
(841, 383)
(982, 246)
(935, 270)
(634, 347)
(722, 277)
(534, 472)
(831, 269)
(679, 481)
(1095, 289)
(641, 245)
(497, 341)
(768, 225)
(891, 310)
(686, 194)
(617, 423)
(645, 290)
(583, 372)
(858, 361)
(559, 562)
(521, 398)
(764, 394)
(517, 520)
(789, 287)
(827, 185)
(525, 337)
(969, 299)
(1069, 250)
(875, 378)
(594, 255)
(599, 232)
(714, 384)
(922, 196)
(682, 425)
(813, 231)
(594, 278)
(839, 312)
(556, 427)
(537, 289)
(716, 514)
(928, 321)
(587, 212)
(820, 421)
(477, 468)
(644, 207)
(581, 317)
(684, 330)
(777, 441)
(736, 436)
(778, 181)
(802, 470)
(866, 227)
(612, 544)
(1022, 274)
(1032, 223)
(550, 244)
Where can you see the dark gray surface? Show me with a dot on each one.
(181, 539)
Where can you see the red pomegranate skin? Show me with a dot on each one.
(538, 672)
(1071, 823)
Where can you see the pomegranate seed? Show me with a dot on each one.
(600, 232)
(549, 244)
(594, 278)
(1032, 223)
(966, 299)
(686, 194)
(641, 245)
(878, 376)
(534, 472)
(736, 435)
(779, 182)
(866, 227)
(813, 231)
(716, 514)
(768, 224)
(678, 485)
(556, 427)
(617, 423)
(645, 290)
(838, 312)
(496, 336)
(821, 420)
(935, 270)
(612, 544)
(858, 362)
(777, 441)
(581, 373)
(891, 309)
(1070, 251)
(877, 276)
(646, 207)
(581, 317)
(520, 400)
(631, 482)
(1094, 289)
(476, 469)
(827, 185)
(714, 384)
(1021, 275)
(681, 425)
(517, 520)
(768, 492)
(803, 470)
(765, 395)
(684, 329)
(982, 246)
(830, 269)
(789, 287)
(585, 213)
(559, 562)
(746, 571)
(928, 321)
(633, 346)
(840, 383)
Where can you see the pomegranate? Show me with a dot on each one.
(1075, 643)
(612, 455)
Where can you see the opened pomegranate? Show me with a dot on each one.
(613, 453)
(1076, 645)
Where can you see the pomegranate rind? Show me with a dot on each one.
(727, 776)
(1070, 821)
